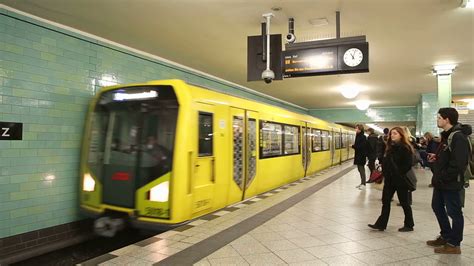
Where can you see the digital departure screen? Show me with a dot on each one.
(334, 59)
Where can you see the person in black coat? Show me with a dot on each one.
(381, 145)
(360, 156)
(372, 148)
(450, 164)
(396, 163)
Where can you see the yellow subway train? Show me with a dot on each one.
(165, 152)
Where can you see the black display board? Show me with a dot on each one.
(11, 131)
(334, 59)
(255, 64)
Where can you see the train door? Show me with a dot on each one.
(348, 145)
(338, 143)
(306, 144)
(244, 152)
(332, 147)
(204, 163)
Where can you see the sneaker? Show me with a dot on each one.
(362, 187)
(358, 186)
(448, 249)
(439, 241)
(405, 229)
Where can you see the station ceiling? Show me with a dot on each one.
(406, 39)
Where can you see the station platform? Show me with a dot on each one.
(318, 220)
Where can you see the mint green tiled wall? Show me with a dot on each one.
(44, 87)
(352, 115)
(429, 109)
(419, 120)
(47, 77)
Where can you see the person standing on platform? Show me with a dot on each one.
(371, 149)
(360, 156)
(396, 164)
(450, 163)
(381, 145)
(431, 147)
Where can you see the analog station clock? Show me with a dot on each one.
(353, 57)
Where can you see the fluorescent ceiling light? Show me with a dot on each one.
(362, 105)
(318, 22)
(467, 3)
(349, 91)
(470, 106)
(443, 69)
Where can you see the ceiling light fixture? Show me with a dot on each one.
(318, 22)
(470, 105)
(467, 3)
(446, 69)
(349, 91)
(362, 105)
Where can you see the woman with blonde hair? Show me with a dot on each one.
(396, 164)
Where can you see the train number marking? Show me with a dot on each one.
(157, 212)
(202, 203)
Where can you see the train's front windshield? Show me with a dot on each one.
(132, 134)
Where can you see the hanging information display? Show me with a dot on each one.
(335, 59)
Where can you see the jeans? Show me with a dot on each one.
(361, 168)
(448, 203)
(387, 196)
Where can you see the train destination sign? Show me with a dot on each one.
(11, 131)
(335, 59)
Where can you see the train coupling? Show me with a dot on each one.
(107, 226)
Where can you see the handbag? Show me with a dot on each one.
(376, 175)
(379, 186)
(410, 176)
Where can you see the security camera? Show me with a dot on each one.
(290, 38)
(268, 76)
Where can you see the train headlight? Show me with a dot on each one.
(88, 183)
(160, 193)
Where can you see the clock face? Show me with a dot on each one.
(353, 57)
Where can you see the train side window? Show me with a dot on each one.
(317, 140)
(337, 137)
(325, 140)
(205, 134)
(291, 140)
(344, 140)
(270, 139)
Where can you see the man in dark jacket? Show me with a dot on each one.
(371, 148)
(360, 156)
(449, 166)
(381, 145)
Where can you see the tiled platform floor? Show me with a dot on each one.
(328, 227)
